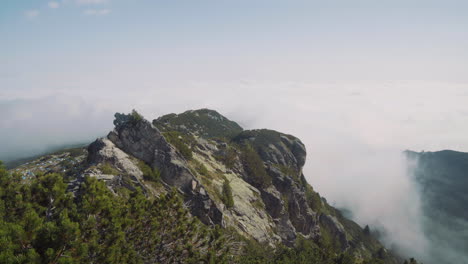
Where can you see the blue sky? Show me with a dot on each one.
(231, 40)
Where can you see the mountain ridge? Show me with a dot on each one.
(250, 181)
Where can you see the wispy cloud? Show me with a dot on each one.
(91, 2)
(53, 4)
(97, 12)
(33, 13)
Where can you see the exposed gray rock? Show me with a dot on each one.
(297, 148)
(144, 141)
(302, 217)
(122, 119)
(275, 147)
(103, 150)
(274, 205)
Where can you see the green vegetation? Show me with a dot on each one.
(367, 230)
(227, 198)
(149, 174)
(313, 199)
(287, 170)
(136, 117)
(260, 139)
(180, 142)
(293, 173)
(106, 168)
(209, 123)
(410, 261)
(304, 252)
(228, 157)
(40, 222)
(201, 169)
(254, 167)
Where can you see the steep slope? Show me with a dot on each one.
(443, 182)
(250, 182)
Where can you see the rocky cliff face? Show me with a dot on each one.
(201, 152)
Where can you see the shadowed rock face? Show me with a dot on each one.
(284, 156)
(275, 147)
(145, 142)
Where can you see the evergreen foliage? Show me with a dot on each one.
(180, 142)
(313, 199)
(201, 168)
(227, 198)
(254, 167)
(136, 117)
(106, 168)
(208, 123)
(40, 222)
(304, 252)
(149, 174)
(228, 157)
(367, 230)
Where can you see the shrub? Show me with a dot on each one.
(313, 199)
(136, 117)
(106, 168)
(46, 224)
(366, 230)
(201, 169)
(227, 157)
(149, 174)
(255, 168)
(226, 197)
(179, 142)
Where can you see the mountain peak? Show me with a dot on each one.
(248, 181)
(204, 122)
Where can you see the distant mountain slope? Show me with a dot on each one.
(443, 181)
(18, 161)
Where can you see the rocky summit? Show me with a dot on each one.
(249, 182)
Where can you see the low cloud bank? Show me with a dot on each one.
(33, 126)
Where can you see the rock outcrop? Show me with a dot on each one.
(199, 152)
(143, 141)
